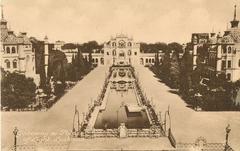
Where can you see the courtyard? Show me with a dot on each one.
(187, 124)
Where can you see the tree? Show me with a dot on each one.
(17, 91)
(186, 68)
(156, 63)
(176, 47)
(90, 59)
(165, 66)
(153, 48)
(174, 70)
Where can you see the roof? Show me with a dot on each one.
(233, 36)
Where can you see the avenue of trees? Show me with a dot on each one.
(17, 91)
(214, 94)
(20, 92)
(154, 47)
(85, 47)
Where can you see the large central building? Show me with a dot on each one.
(121, 50)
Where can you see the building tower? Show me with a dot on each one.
(46, 54)
(234, 22)
(3, 26)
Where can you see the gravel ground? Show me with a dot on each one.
(60, 116)
(188, 124)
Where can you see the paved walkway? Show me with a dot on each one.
(60, 116)
(187, 124)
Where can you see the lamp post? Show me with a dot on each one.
(227, 133)
(117, 118)
(15, 131)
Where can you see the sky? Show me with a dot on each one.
(145, 20)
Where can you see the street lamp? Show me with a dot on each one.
(117, 118)
(227, 133)
(15, 131)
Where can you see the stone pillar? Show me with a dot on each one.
(46, 53)
(22, 57)
(194, 56)
(219, 58)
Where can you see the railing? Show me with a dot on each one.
(171, 138)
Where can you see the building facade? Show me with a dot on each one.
(119, 50)
(17, 54)
(220, 53)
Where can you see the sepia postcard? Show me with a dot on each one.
(120, 75)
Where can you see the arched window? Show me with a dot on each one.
(102, 60)
(7, 62)
(152, 60)
(229, 49)
(229, 76)
(129, 52)
(15, 63)
(114, 44)
(129, 44)
(7, 50)
(121, 53)
(13, 50)
(96, 60)
(114, 52)
(146, 60)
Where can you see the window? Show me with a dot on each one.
(96, 60)
(13, 50)
(8, 50)
(239, 62)
(229, 49)
(129, 52)
(234, 51)
(229, 63)
(114, 52)
(153, 60)
(121, 44)
(146, 60)
(14, 63)
(113, 44)
(229, 76)
(223, 64)
(107, 53)
(129, 44)
(224, 49)
(7, 62)
(121, 54)
(135, 53)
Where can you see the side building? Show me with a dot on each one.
(17, 54)
(220, 54)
